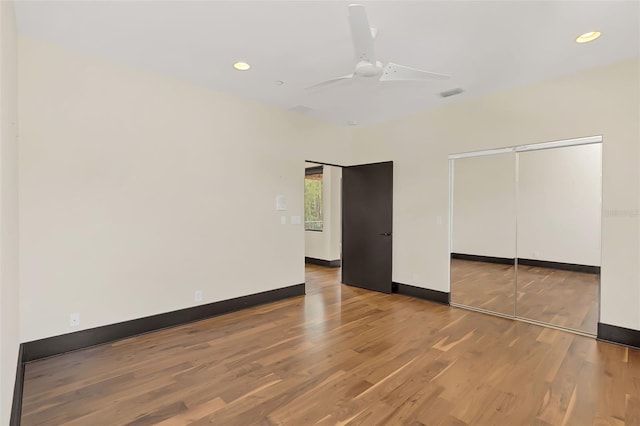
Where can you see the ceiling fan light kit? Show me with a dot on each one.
(367, 66)
(367, 69)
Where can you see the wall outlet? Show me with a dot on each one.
(198, 296)
(74, 320)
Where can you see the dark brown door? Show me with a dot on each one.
(367, 207)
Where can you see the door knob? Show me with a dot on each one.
(386, 234)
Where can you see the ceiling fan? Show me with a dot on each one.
(367, 66)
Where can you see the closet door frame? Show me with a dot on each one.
(514, 149)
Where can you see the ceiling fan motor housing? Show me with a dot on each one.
(368, 69)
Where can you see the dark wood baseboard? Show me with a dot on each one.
(486, 259)
(16, 406)
(619, 335)
(529, 262)
(327, 263)
(560, 265)
(441, 297)
(57, 345)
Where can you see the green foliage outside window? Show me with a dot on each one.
(313, 202)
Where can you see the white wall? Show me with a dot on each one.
(484, 206)
(136, 190)
(9, 286)
(325, 245)
(559, 204)
(601, 101)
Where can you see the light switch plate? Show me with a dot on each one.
(296, 220)
(283, 220)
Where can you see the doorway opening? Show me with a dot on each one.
(348, 224)
(322, 225)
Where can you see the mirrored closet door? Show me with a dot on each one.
(559, 209)
(483, 221)
(525, 232)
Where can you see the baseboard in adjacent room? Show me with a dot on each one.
(321, 262)
(619, 335)
(441, 297)
(56, 345)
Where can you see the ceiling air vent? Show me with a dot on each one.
(451, 92)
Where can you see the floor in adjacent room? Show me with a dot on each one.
(341, 355)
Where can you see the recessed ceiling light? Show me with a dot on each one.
(352, 123)
(279, 82)
(587, 37)
(241, 66)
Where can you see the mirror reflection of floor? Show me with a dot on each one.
(563, 298)
(483, 285)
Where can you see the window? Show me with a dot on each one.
(313, 199)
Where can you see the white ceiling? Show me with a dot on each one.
(485, 45)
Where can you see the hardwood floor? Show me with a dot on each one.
(563, 298)
(341, 355)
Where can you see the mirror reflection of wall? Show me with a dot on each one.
(559, 209)
(539, 209)
(483, 233)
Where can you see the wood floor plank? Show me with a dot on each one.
(342, 356)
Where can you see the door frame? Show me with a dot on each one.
(324, 163)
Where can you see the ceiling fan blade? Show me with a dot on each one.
(395, 72)
(330, 82)
(361, 34)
